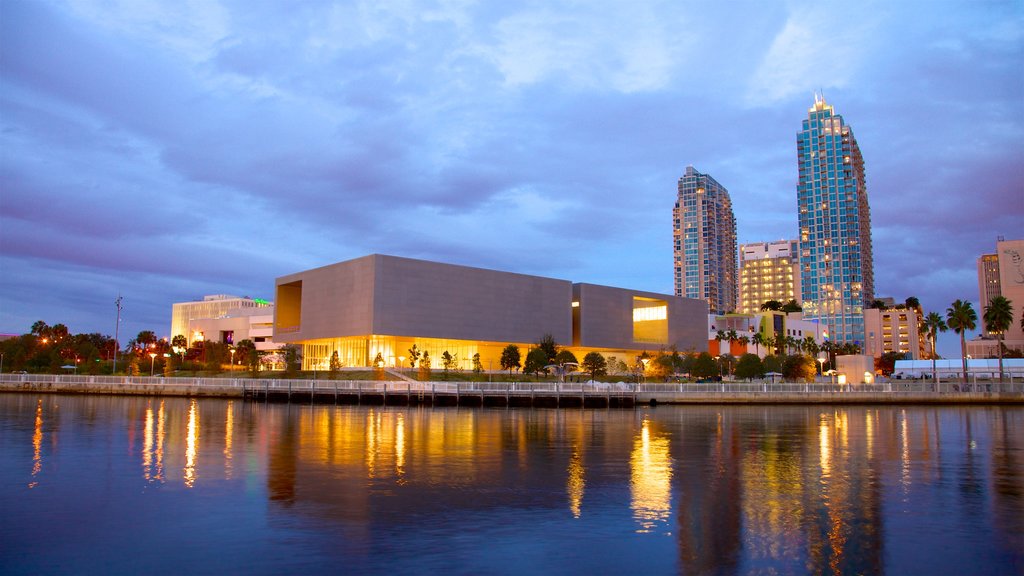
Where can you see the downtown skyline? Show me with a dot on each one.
(164, 152)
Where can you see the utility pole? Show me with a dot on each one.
(117, 327)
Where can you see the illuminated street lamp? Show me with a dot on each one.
(821, 365)
(76, 364)
(232, 359)
(152, 362)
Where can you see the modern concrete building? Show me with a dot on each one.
(378, 307)
(894, 329)
(212, 306)
(836, 265)
(768, 271)
(704, 239)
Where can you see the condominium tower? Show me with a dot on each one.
(836, 271)
(704, 238)
(768, 271)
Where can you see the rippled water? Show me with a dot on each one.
(108, 485)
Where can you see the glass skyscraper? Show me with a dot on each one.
(704, 236)
(836, 270)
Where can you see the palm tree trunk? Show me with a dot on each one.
(963, 356)
(999, 343)
(935, 374)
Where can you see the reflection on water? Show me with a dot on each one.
(695, 490)
(651, 479)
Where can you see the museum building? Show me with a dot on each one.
(374, 309)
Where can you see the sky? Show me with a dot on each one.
(162, 151)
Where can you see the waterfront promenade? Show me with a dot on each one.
(547, 394)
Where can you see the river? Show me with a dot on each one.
(132, 485)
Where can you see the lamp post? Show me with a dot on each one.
(821, 365)
(152, 362)
(232, 359)
(76, 364)
(644, 361)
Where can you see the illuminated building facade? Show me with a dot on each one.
(894, 329)
(212, 306)
(1002, 275)
(836, 267)
(704, 237)
(374, 309)
(768, 271)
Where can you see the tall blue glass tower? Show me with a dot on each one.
(836, 269)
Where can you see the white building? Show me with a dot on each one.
(210, 307)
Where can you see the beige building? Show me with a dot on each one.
(1002, 277)
(768, 271)
(379, 307)
(212, 306)
(894, 329)
(252, 323)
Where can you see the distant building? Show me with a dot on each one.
(250, 323)
(374, 309)
(770, 324)
(836, 265)
(704, 237)
(210, 307)
(1001, 276)
(894, 329)
(768, 271)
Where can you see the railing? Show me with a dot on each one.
(895, 387)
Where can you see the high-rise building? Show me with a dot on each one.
(988, 280)
(894, 329)
(836, 269)
(704, 236)
(212, 306)
(768, 271)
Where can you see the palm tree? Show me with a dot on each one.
(731, 336)
(811, 346)
(771, 305)
(934, 324)
(744, 340)
(961, 317)
(998, 319)
(758, 341)
(721, 336)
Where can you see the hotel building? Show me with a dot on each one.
(988, 281)
(894, 329)
(382, 306)
(768, 271)
(836, 267)
(704, 238)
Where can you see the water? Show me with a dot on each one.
(124, 485)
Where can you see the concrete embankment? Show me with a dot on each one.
(122, 388)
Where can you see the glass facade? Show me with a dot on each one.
(836, 269)
(704, 237)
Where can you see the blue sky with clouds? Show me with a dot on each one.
(166, 150)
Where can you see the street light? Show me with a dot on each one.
(821, 365)
(76, 364)
(152, 362)
(645, 361)
(232, 359)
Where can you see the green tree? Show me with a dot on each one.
(661, 367)
(536, 360)
(749, 366)
(594, 364)
(292, 360)
(249, 356)
(772, 363)
(449, 362)
(934, 324)
(510, 358)
(704, 367)
(797, 367)
(425, 363)
(478, 367)
(566, 357)
(414, 356)
(771, 306)
(913, 302)
(145, 338)
(886, 363)
(334, 365)
(810, 345)
(549, 346)
(998, 317)
(961, 317)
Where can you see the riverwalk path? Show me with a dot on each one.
(541, 394)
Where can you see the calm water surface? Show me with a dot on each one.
(122, 485)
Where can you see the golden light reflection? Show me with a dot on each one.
(825, 450)
(229, 424)
(191, 444)
(147, 443)
(400, 447)
(373, 426)
(904, 452)
(651, 479)
(37, 444)
(576, 482)
(161, 428)
(869, 431)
